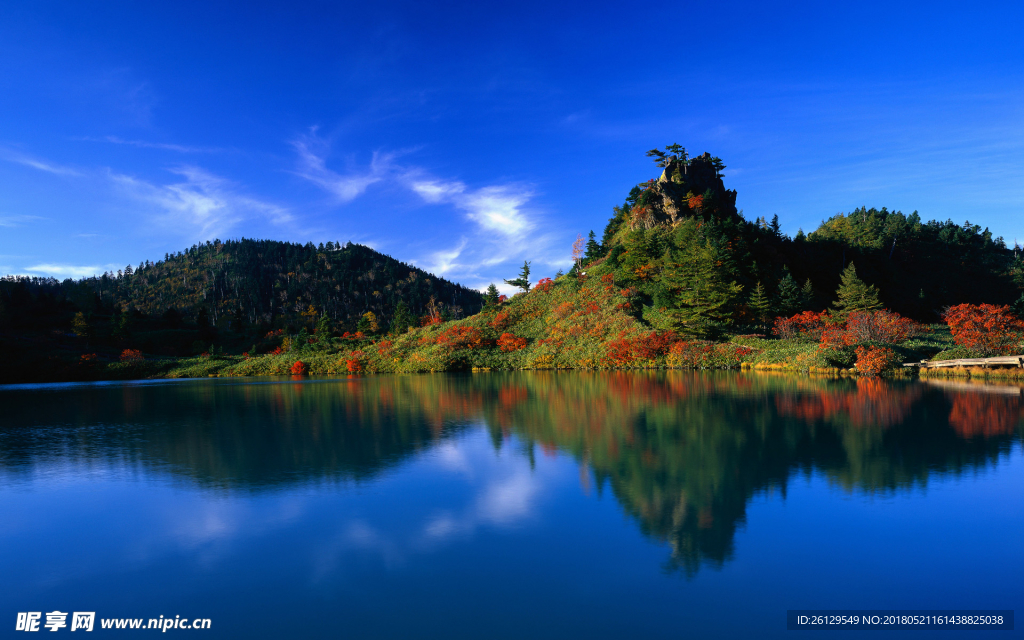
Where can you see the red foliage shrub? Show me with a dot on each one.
(608, 278)
(592, 307)
(881, 326)
(987, 328)
(543, 285)
(132, 355)
(875, 360)
(502, 298)
(353, 365)
(277, 351)
(461, 338)
(695, 202)
(804, 325)
(837, 337)
(299, 368)
(655, 344)
(501, 320)
(384, 346)
(509, 342)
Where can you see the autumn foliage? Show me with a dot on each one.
(132, 355)
(987, 329)
(803, 325)
(461, 337)
(509, 342)
(299, 368)
(875, 360)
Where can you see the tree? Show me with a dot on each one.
(523, 281)
(697, 281)
(402, 319)
(491, 296)
(672, 153)
(577, 252)
(807, 294)
(790, 298)
(594, 250)
(81, 326)
(855, 295)
(759, 305)
(323, 332)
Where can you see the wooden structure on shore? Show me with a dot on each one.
(999, 361)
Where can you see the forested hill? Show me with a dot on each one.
(682, 246)
(241, 287)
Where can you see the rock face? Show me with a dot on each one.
(685, 190)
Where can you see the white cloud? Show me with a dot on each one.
(17, 221)
(435, 191)
(60, 270)
(347, 187)
(205, 203)
(40, 165)
(152, 145)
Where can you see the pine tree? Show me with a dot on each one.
(790, 299)
(807, 295)
(759, 305)
(696, 278)
(402, 319)
(323, 332)
(491, 296)
(523, 281)
(855, 295)
(594, 250)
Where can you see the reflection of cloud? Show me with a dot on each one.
(509, 500)
(206, 203)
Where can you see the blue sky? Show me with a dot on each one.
(467, 137)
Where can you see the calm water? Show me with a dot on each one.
(535, 505)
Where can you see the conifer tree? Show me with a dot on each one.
(523, 281)
(855, 295)
(491, 296)
(759, 305)
(402, 319)
(594, 250)
(789, 299)
(323, 332)
(697, 281)
(807, 295)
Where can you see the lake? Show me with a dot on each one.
(519, 505)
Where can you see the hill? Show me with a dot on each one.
(221, 296)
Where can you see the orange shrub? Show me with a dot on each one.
(353, 365)
(543, 285)
(806, 325)
(608, 278)
(881, 326)
(509, 342)
(875, 360)
(461, 338)
(132, 355)
(502, 320)
(987, 328)
(299, 368)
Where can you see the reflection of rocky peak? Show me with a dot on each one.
(668, 200)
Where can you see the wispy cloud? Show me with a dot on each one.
(206, 204)
(18, 221)
(504, 226)
(346, 187)
(152, 145)
(60, 270)
(35, 163)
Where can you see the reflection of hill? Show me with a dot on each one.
(682, 452)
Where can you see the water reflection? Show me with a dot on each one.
(682, 453)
